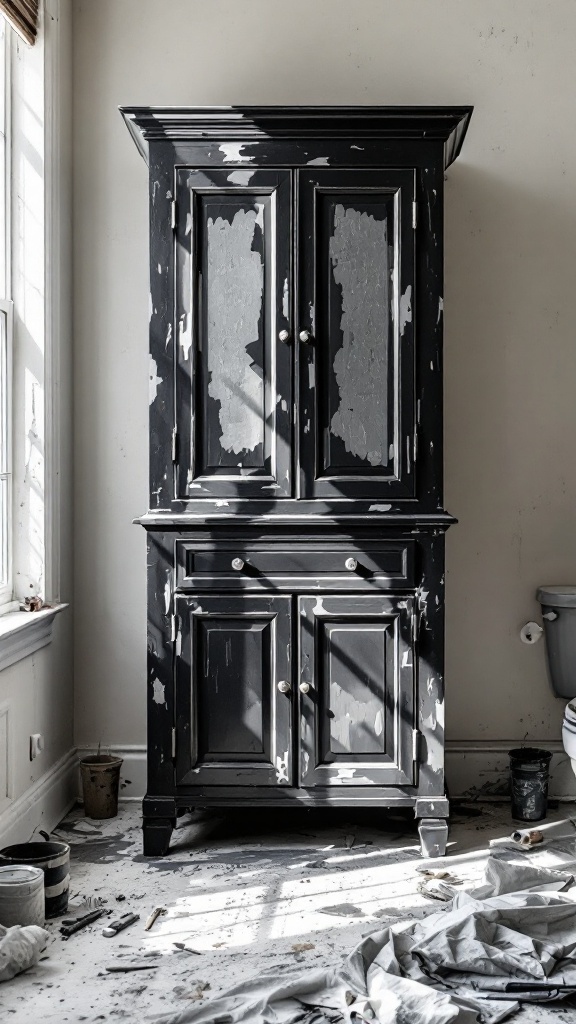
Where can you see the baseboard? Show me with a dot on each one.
(480, 771)
(43, 805)
(133, 772)
(476, 770)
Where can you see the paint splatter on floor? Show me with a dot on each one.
(242, 895)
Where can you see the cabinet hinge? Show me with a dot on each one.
(415, 744)
(415, 626)
(174, 445)
(173, 215)
(173, 742)
(173, 628)
(414, 215)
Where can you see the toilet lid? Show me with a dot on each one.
(557, 597)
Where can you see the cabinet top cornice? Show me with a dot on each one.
(250, 123)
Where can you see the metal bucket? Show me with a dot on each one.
(21, 895)
(100, 784)
(529, 768)
(54, 859)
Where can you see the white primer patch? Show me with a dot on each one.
(440, 308)
(285, 300)
(380, 508)
(318, 161)
(168, 335)
(233, 153)
(282, 768)
(405, 309)
(379, 723)
(159, 695)
(153, 381)
(359, 255)
(234, 290)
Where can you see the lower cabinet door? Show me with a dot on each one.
(233, 720)
(356, 691)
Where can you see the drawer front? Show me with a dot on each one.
(382, 564)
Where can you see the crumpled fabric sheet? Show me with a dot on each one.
(20, 948)
(431, 971)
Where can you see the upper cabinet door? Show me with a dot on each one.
(233, 370)
(356, 333)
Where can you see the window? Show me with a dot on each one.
(6, 321)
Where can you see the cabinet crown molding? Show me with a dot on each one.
(179, 124)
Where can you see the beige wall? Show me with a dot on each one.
(510, 305)
(36, 693)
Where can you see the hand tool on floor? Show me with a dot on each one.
(155, 913)
(120, 924)
(74, 924)
(125, 968)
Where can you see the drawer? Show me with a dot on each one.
(250, 566)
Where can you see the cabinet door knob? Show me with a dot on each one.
(284, 336)
(284, 686)
(305, 337)
(351, 564)
(238, 564)
(304, 687)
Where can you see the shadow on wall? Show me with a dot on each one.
(510, 423)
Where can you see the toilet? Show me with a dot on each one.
(559, 615)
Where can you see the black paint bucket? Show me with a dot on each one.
(54, 859)
(529, 767)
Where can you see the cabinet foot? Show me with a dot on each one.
(156, 834)
(433, 836)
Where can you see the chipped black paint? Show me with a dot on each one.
(300, 490)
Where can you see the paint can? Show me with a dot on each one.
(54, 860)
(100, 784)
(21, 895)
(529, 769)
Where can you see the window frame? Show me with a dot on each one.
(6, 330)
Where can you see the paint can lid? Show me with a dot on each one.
(557, 597)
(21, 874)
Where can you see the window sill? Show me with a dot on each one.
(23, 633)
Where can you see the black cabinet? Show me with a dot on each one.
(296, 521)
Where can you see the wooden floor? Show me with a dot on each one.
(248, 892)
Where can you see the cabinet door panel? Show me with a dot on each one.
(233, 726)
(233, 293)
(358, 715)
(356, 376)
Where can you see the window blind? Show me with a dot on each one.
(23, 16)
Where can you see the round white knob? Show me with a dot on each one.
(238, 564)
(284, 686)
(284, 336)
(305, 336)
(351, 564)
(304, 687)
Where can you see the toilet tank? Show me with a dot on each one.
(559, 614)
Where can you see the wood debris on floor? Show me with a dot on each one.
(240, 895)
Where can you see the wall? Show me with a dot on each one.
(36, 693)
(510, 306)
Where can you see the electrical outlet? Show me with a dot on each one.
(36, 744)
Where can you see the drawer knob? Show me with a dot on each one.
(304, 687)
(238, 564)
(305, 337)
(284, 336)
(351, 564)
(284, 686)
